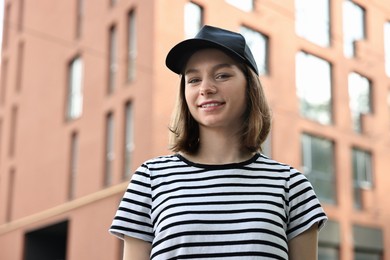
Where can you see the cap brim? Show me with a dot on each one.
(181, 52)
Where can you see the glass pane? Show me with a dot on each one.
(75, 101)
(131, 46)
(367, 256)
(245, 5)
(313, 80)
(193, 19)
(387, 47)
(353, 26)
(359, 98)
(258, 44)
(80, 16)
(362, 174)
(362, 170)
(312, 21)
(73, 165)
(112, 59)
(322, 154)
(327, 253)
(129, 139)
(318, 165)
(357, 196)
(109, 149)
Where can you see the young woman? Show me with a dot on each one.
(217, 196)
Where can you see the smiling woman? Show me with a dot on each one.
(215, 91)
(217, 196)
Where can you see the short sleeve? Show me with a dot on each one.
(133, 217)
(304, 208)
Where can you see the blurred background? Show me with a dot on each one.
(1, 20)
(85, 98)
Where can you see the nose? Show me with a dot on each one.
(207, 87)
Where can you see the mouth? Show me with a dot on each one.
(210, 104)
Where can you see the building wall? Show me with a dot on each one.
(38, 196)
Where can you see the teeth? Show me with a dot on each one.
(210, 105)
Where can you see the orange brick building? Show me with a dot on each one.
(85, 98)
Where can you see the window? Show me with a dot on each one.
(245, 5)
(79, 18)
(328, 253)
(312, 21)
(21, 15)
(368, 243)
(193, 19)
(313, 80)
(329, 240)
(47, 243)
(131, 45)
(13, 130)
(19, 66)
(109, 154)
(73, 165)
(7, 25)
(359, 89)
(4, 81)
(318, 166)
(113, 66)
(129, 139)
(258, 43)
(75, 89)
(387, 47)
(10, 194)
(362, 174)
(353, 26)
(362, 255)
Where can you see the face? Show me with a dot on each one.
(215, 90)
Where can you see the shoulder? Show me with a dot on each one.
(160, 163)
(292, 176)
(276, 166)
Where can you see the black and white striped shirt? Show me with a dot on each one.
(245, 210)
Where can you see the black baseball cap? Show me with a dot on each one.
(232, 43)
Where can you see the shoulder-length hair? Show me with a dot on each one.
(254, 131)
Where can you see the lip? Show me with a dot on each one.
(211, 105)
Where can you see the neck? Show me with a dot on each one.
(219, 147)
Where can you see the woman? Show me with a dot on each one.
(217, 197)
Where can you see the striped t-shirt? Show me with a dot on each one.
(247, 210)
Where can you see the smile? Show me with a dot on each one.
(207, 105)
(210, 105)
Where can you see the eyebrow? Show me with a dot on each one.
(216, 67)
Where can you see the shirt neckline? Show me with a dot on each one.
(219, 166)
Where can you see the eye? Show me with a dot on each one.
(222, 76)
(193, 80)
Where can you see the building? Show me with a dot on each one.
(85, 98)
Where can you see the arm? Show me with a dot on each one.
(305, 245)
(136, 249)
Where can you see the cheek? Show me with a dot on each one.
(186, 98)
(189, 96)
(189, 101)
(242, 99)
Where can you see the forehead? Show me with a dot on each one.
(209, 56)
